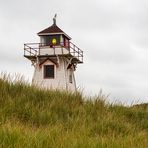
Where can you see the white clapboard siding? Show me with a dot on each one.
(52, 51)
(60, 81)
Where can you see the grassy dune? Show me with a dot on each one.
(33, 118)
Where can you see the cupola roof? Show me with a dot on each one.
(52, 30)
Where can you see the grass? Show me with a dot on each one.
(34, 118)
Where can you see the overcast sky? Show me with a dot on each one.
(112, 33)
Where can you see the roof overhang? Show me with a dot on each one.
(45, 34)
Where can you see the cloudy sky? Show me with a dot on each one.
(112, 33)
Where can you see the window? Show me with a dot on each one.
(70, 78)
(48, 71)
(50, 40)
(66, 43)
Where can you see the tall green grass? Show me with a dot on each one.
(34, 118)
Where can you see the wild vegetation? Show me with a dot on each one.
(34, 118)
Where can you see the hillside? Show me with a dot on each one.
(33, 118)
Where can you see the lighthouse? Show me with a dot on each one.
(54, 59)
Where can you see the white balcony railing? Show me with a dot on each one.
(39, 49)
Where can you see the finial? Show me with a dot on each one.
(54, 19)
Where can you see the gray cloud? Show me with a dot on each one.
(112, 33)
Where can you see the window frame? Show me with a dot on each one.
(44, 72)
(70, 79)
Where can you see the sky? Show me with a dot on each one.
(112, 33)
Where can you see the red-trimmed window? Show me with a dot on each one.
(66, 43)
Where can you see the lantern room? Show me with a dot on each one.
(54, 36)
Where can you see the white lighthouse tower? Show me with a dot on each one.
(55, 59)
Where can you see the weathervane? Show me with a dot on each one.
(54, 19)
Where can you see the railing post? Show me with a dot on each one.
(69, 47)
(54, 49)
(82, 56)
(74, 49)
(24, 49)
(78, 53)
(30, 51)
(39, 48)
